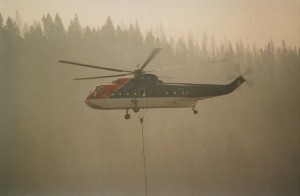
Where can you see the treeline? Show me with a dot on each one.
(116, 45)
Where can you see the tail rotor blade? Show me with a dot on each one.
(249, 83)
(248, 72)
(241, 71)
(237, 69)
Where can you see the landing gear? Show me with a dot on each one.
(194, 110)
(135, 109)
(141, 120)
(127, 116)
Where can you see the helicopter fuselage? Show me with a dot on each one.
(147, 91)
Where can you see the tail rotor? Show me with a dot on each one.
(243, 71)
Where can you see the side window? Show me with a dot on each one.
(142, 92)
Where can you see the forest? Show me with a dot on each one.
(124, 45)
(52, 143)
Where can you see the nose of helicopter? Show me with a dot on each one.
(91, 101)
(88, 101)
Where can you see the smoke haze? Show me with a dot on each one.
(51, 143)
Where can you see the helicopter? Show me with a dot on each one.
(145, 90)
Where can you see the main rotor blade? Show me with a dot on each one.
(183, 66)
(152, 55)
(97, 77)
(93, 66)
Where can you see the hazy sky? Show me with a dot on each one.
(249, 20)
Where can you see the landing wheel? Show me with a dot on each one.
(127, 116)
(194, 110)
(136, 110)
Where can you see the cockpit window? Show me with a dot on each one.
(101, 90)
(93, 90)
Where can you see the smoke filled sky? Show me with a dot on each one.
(244, 143)
(256, 20)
